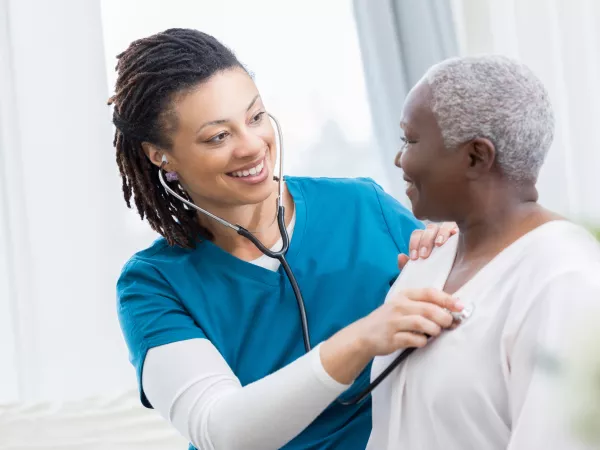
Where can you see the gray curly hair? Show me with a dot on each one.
(497, 98)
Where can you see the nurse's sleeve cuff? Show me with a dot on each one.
(322, 375)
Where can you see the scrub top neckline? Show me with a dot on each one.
(217, 256)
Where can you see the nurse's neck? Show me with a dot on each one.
(498, 213)
(260, 219)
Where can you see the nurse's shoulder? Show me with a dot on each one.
(151, 272)
(160, 253)
(359, 200)
(335, 187)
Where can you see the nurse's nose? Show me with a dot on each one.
(250, 145)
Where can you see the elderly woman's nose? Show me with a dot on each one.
(397, 159)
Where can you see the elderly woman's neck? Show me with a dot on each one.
(497, 217)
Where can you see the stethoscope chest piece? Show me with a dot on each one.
(465, 314)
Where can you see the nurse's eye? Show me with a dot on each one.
(258, 117)
(218, 138)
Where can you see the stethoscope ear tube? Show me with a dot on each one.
(285, 239)
(280, 256)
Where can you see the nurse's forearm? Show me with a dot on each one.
(344, 356)
(191, 385)
(273, 410)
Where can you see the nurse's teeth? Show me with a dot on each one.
(253, 171)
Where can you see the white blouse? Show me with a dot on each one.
(488, 383)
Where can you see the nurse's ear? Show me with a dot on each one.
(481, 155)
(156, 155)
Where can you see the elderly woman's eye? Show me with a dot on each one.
(406, 141)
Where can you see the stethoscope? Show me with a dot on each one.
(280, 256)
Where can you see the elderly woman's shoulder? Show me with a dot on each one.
(561, 245)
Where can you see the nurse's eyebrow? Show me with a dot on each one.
(222, 121)
(252, 102)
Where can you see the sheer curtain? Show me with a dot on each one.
(65, 381)
(400, 39)
(560, 41)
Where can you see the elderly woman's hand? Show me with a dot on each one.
(422, 241)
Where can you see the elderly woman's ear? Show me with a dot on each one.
(480, 157)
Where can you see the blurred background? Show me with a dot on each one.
(334, 72)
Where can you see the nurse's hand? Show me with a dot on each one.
(422, 241)
(401, 322)
(405, 319)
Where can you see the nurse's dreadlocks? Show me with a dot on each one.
(151, 73)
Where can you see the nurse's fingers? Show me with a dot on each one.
(402, 260)
(427, 241)
(441, 316)
(405, 306)
(435, 296)
(445, 230)
(418, 324)
(406, 339)
(413, 245)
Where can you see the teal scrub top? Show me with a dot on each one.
(343, 251)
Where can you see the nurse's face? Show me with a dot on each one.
(435, 175)
(223, 142)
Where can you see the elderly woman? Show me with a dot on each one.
(477, 131)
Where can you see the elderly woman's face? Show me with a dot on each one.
(434, 175)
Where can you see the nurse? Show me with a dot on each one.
(212, 326)
(477, 132)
